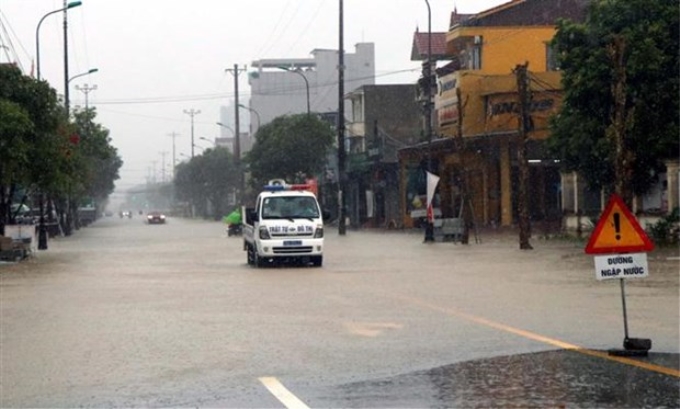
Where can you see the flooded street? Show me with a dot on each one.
(124, 314)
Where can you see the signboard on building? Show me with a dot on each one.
(502, 111)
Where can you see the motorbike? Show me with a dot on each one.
(234, 229)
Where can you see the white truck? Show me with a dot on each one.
(286, 225)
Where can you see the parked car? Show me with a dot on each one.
(155, 218)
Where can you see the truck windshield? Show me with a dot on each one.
(290, 207)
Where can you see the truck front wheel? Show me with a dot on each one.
(257, 260)
(317, 261)
(250, 254)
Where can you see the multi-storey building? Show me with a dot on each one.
(476, 112)
(285, 86)
(382, 119)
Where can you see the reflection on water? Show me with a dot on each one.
(555, 379)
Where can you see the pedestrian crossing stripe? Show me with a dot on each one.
(618, 231)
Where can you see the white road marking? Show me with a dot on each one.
(285, 396)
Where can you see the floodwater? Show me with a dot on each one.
(123, 314)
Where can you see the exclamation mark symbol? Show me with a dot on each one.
(617, 225)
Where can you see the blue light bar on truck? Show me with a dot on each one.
(281, 187)
(273, 188)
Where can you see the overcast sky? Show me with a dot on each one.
(157, 58)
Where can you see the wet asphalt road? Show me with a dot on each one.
(128, 315)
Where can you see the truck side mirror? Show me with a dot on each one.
(326, 215)
(252, 215)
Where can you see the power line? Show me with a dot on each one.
(204, 97)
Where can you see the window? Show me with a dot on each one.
(476, 58)
(551, 63)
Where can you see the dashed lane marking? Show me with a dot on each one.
(285, 396)
(541, 338)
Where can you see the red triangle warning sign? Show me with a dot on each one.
(618, 231)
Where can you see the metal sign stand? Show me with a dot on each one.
(631, 346)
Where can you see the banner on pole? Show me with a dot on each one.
(432, 181)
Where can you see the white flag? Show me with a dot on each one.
(432, 181)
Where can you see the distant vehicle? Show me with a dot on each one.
(155, 218)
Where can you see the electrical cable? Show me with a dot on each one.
(204, 97)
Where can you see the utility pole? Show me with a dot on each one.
(86, 89)
(174, 158)
(524, 119)
(466, 207)
(237, 137)
(66, 87)
(427, 72)
(163, 166)
(192, 112)
(342, 177)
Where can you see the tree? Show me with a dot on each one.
(35, 147)
(90, 166)
(207, 178)
(99, 160)
(621, 89)
(15, 127)
(43, 154)
(289, 147)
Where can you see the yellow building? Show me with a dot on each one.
(477, 99)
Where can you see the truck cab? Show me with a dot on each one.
(286, 224)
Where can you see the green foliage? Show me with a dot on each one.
(211, 177)
(650, 31)
(288, 147)
(39, 103)
(15, 129)
(90, 153)
(667, 229)
(41, 150)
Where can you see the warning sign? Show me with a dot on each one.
(633, 265)
(618, 231)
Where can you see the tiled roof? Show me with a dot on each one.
(530, 12)
(419, 49)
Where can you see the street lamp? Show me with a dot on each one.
(37, 32)
(298, 72)
(82, 74)
(257, 115)
(208, 140)
(42, 230)
(227, 127)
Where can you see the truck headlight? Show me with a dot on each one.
(264, 233)
(318, 233)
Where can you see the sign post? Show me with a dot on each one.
(620, 238)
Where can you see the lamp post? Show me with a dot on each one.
(42, 230)
(298, 72)
(86, 89)
(208, 140)
(429, 226)
(257, 115)
(342, 155)
(91, 71)
(227, 127)
(233, 134)
(37, 32)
